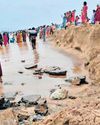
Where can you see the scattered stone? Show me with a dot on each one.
(4, 103)
(57, 71)
(77, 80)
(38, 72)
(22, 84)
(23, 61)
(48, 69)
(30, 100)
(39, 77)
(72, 97)
(21, 72)
(42, 101)
(78, 48)
(86, 64)
(10, 95)
(31, 66)
(7, 83)
(41, 109)
(52, 91)
(59, 94)
(35, 118)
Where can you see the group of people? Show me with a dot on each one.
(71, 18)
(6, 37)
(46, 31)
(21, 36)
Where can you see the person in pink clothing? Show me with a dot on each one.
(5, 39)
(97, 15)
(84, 12)
(73, 16)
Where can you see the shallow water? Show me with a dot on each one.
(45, 55)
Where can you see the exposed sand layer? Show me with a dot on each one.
(85, 42)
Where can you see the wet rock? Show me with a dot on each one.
(52, 91)
(23, 61)
(72, 97)
(41, 109)
(31, 66)
(59, 94)
(4, 103)
(42, 101)
(21, 72)
(7, 83)
(57, 71)
(22, 84)
(38, 72)
(77, 80)
(78, 48)
(86, 64)
(30, 100)
(10, 95)
(48, 69)
(35, 118)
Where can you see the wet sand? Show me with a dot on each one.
(45, 55)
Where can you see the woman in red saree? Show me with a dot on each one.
(84, 12)
(97, 14)
(5, 39)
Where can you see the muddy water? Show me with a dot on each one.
(45, 55)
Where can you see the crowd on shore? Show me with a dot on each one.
(70, 17)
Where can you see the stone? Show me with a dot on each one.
(23, 61)
(72, 97)
(42, 101)
(55, 71)
(22, 84)
(21, 72)
(35, 118)
(41, 109)
(7, 83)
(30, 99)
(38, 72)
(52, 91)
(10, 95)
(77, 80)
(4, 103)
(31, 66)
(52, 68)
(58, 72)
(59, 94)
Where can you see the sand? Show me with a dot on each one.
(83, 42)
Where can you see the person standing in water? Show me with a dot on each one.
(5, 39)
(0, 73)
(1, 40)
(32, 37)
(44, 33)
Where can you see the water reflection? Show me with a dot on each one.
(36, 56)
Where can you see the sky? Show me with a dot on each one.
(23, 14)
